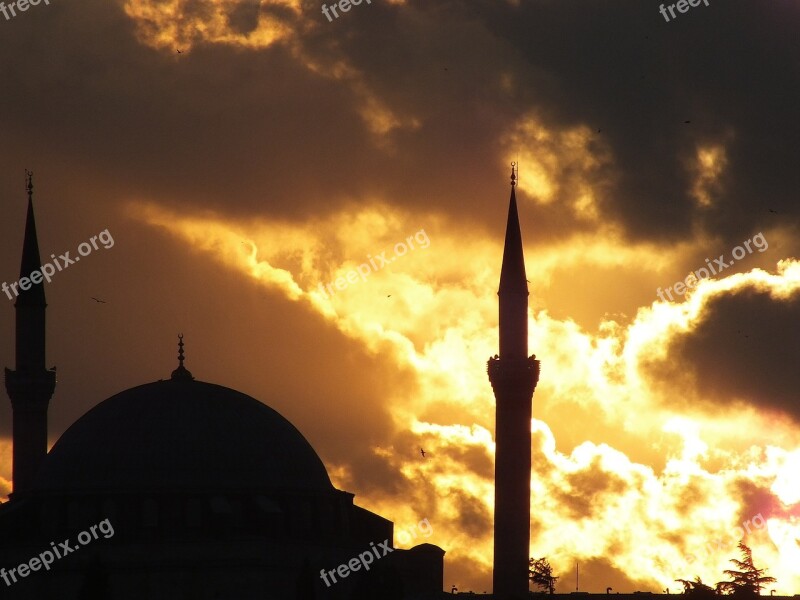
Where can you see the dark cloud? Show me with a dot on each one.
(760, 500)
(475, 459)
(256, 131)
(584, 491)
(243, 17)
(624, 70)
(474, 519)
(740, 350)
(376, 476)
(693, 493)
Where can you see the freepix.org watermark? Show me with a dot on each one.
(47, 270)
(364, 269)
(48, 557)
(365, 559)
(354, 564)
(19, 5)
(722, 544)
(406, 536)
(682, 5)
(738, 253)
(344, 6)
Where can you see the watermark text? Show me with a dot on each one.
(19, 5)
(682, 6)
(48, 557)
(739, 252)
(344, 6)
(376, 263)
(47, 270)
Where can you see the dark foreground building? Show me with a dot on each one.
(181, 490)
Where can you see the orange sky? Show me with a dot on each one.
(278, 152)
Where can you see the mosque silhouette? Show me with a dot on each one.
(181, 489)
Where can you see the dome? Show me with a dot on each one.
(182, 435)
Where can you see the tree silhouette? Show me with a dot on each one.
(541, 574)
(748, 581)
(697, 589)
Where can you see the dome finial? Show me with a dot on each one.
(180, 349)
(181, 372)
(513, 174)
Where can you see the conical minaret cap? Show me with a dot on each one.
(512, 273)
(34, 296)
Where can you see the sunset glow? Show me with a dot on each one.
(599, 499)
(319, 206)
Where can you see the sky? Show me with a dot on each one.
(237, 158)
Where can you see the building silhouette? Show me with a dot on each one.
(513, 375)
(207, 493)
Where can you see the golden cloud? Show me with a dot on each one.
(432, 309)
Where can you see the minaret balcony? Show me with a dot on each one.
(30, 390)
(505, 373)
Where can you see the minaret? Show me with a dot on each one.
(513, 376)
(30, 386)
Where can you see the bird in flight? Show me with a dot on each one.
(422, 452)
(773, 211)
(179, 51)
(98, 300)
(687, 121)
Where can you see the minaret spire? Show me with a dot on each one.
(30, 386)
(34, 296)
(513, 375)
(513, 290)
